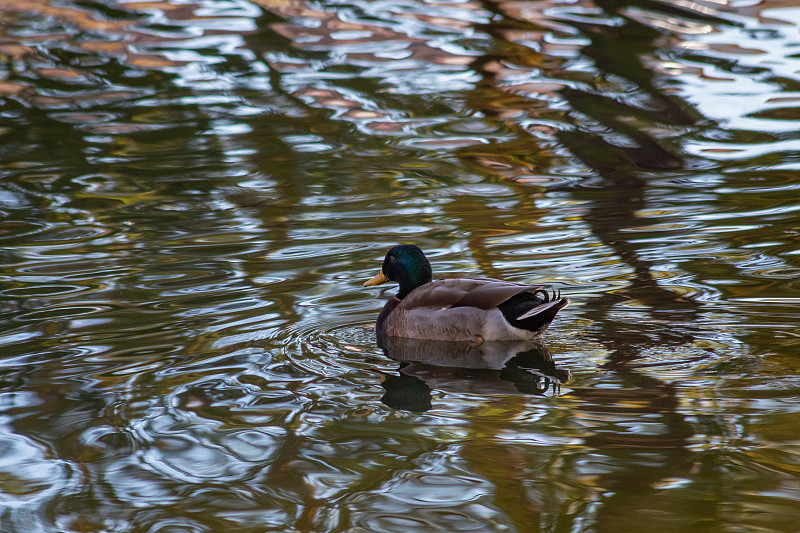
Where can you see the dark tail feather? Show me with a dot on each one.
(533, 311)
(540, 316)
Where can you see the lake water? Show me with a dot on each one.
(194, 191)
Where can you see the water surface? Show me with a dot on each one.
(193, 192)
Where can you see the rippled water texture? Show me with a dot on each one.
(193, 192)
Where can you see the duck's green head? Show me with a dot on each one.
(407, 265)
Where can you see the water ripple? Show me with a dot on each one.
(193, 193)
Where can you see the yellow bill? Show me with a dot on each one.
(377, 280)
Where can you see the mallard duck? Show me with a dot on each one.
(475, 310)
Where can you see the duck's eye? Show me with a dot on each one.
(391, 259)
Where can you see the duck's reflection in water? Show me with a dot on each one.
(510, 367)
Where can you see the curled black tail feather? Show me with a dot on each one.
(547, 298)
(533, 311)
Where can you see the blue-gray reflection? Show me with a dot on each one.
(510, 367)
